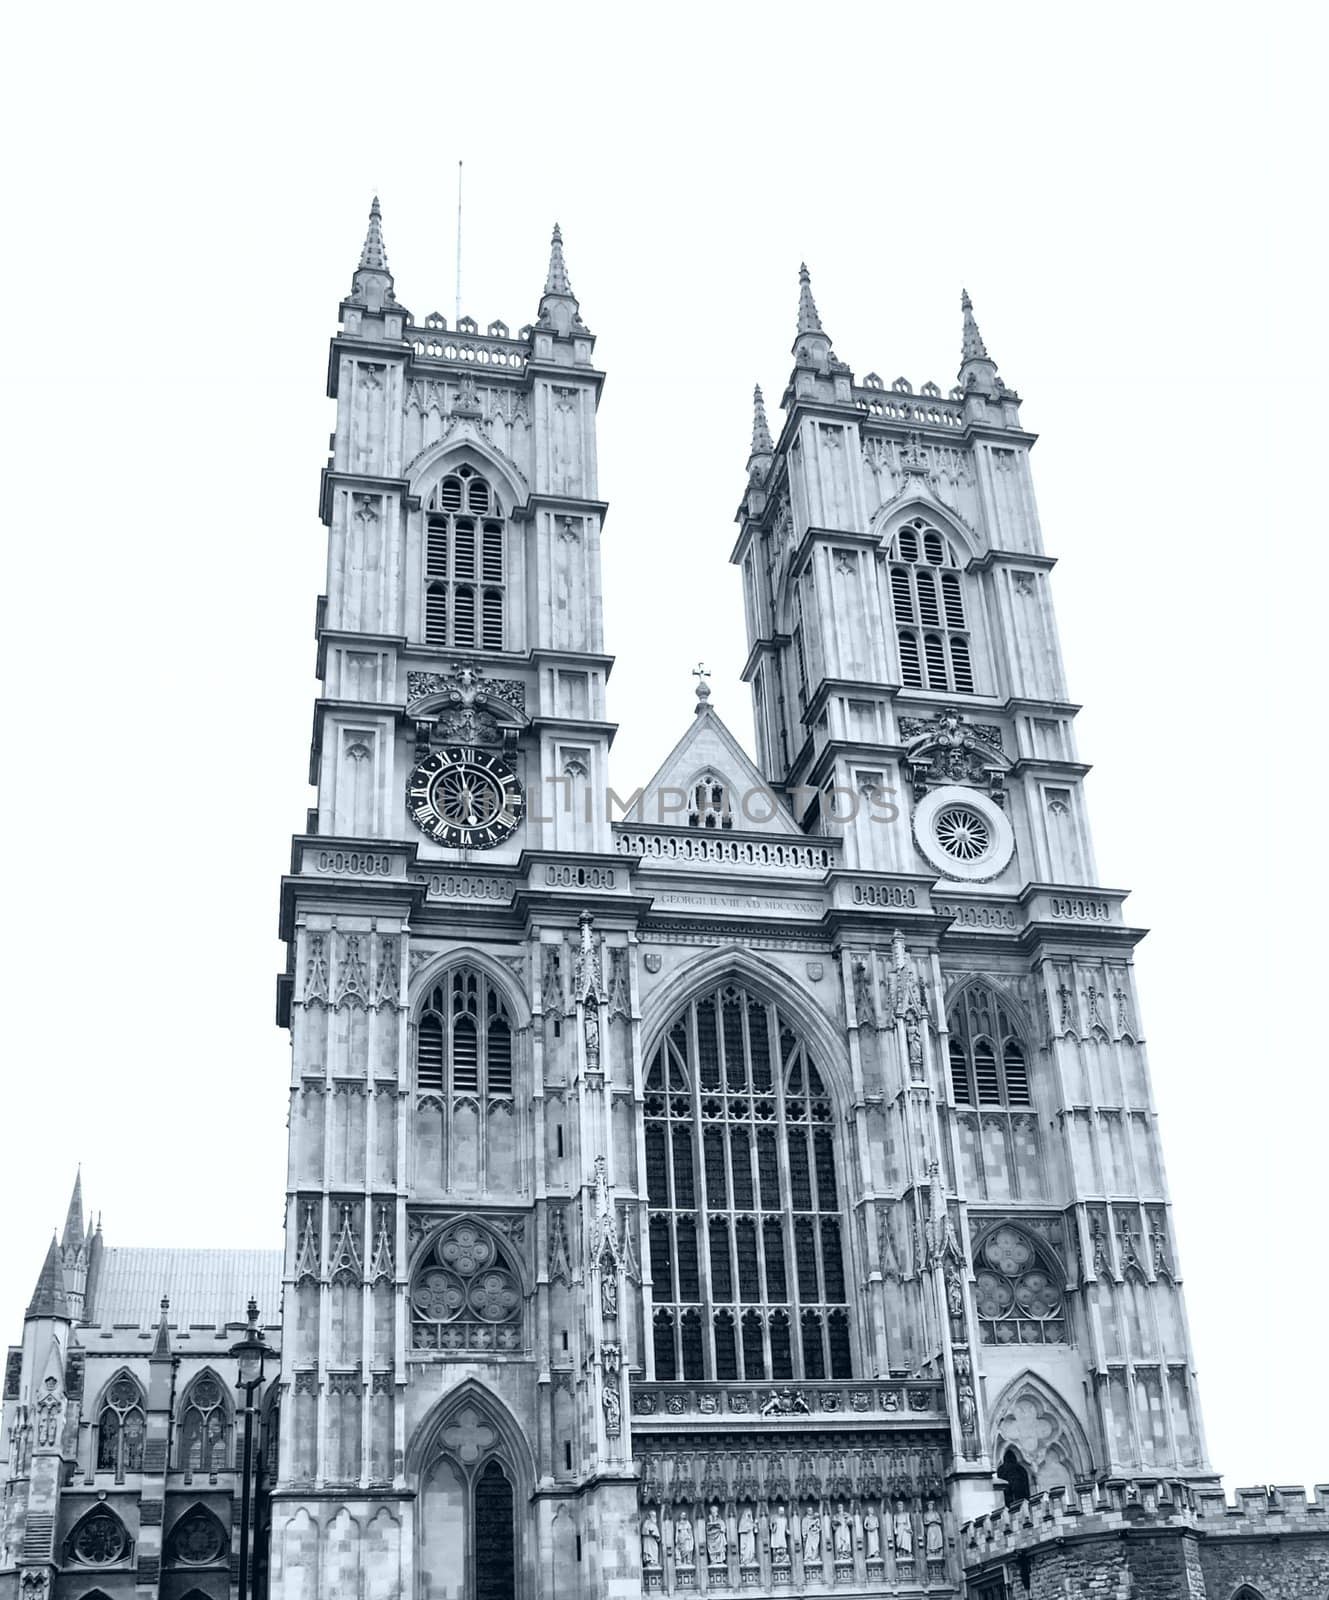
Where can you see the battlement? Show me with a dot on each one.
(1090, 1510)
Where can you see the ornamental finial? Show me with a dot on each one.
(808, 319)
(701, 672)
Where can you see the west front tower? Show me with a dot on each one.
(450, 1416)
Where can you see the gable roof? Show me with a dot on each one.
(207, 1288)
(709, 747)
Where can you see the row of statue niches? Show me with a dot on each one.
(800, 1542)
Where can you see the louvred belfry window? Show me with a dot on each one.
(928, 603)
(464, 1040)
(747, 1258)
(465, 576)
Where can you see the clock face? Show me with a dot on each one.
(465, 798)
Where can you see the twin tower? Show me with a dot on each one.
(742, 1190)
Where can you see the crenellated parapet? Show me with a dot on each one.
(1088, 1511)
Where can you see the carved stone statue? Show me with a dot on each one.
(650, 1539)
(779, 1537)
(843, 1534)
(812, 1537)
(934, 1538)
(747, 1538)
(50, 1403)
(717, 1539)
(903, 1533)
(685, 1542)
(872, 1534)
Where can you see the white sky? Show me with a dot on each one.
(1134, 197)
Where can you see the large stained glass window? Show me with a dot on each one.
(747, 1255)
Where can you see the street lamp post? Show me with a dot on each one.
(249, 1353)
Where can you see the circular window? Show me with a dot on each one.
(963, 834)
(197, 1539)
(100, 1540)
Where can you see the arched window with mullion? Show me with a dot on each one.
(121, 1426)
(1000, 1147)
(928, 604)
(747, 1254)
(465, 568)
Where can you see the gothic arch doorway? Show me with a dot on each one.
(470, 1541)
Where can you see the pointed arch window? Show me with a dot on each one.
(100, 1539)
(197, 1539)
(465, 565)
(204, 1434)
(464, 1040)
(928, 603)
(747, 1257)
(1018, 1291)
(121, 1426)
(1001, 1150)
(465, 1294)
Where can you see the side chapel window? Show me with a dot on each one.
(464, 564)
(204, 1426)
(120, 1428)
(927, 598)
(747, 1259)
(1000, 1151)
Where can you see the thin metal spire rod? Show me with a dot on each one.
(457, 319)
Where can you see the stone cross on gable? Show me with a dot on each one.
(701, 672)
(468, 1436)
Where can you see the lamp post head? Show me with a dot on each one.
(250, 1351)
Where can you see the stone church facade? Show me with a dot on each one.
(749, 1184)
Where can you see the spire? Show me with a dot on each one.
(559, 310)
(978, 371)
(161, 1345)
(74, 1236)
(808, 320)
(374, 255)
(973, 348)
(371, 285)
(557, 280)
(48, 1298)
(761, 429)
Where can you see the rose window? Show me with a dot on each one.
(962, 833)
(1017, 1297)
(100, 1539)
(197, 1539)
(466, 1294)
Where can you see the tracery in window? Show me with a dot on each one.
(1000, 1148)
(1016, 1291)
(204, 1426)
(120, 1428)
(99, 1539)
(466, 1128)
(464, 564)
(196, 1539)
(709, 804)
(465, 1294)
(927, 599)
(747, 1258)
